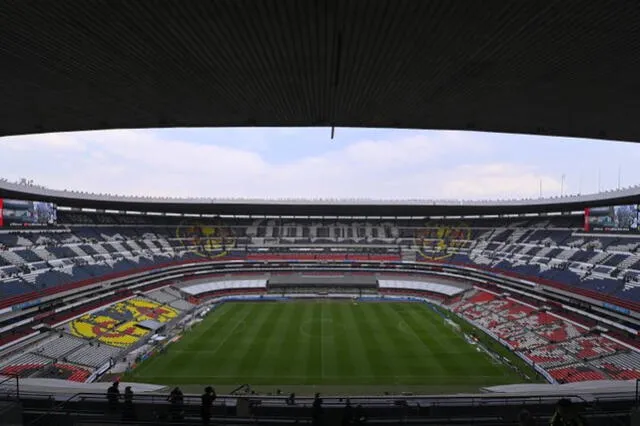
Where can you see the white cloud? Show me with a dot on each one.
(499, 180)
(148, 163)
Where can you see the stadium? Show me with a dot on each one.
(297, 311)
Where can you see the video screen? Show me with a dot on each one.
(613, 218)
(20, 213)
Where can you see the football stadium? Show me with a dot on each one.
(118, 309)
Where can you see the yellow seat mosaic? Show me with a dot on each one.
(124, 335)
(122, 329)
(82, 328)
(143, 310)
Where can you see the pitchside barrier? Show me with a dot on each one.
(495, 337)
(452, 324)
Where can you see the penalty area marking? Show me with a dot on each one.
(404, 327)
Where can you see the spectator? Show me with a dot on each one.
(567, 415)
(129, 413)
(208, 397)
(291, 400)
(113, 396)
(347, 414)
(526, 419)
(316, 415)
(176, 399)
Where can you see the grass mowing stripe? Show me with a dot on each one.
(286, 343)
(419, 324)
(311, 330)
(457, 360)
(410, 325)
(410, 354)
(345, 361)
(300, 344)
(331, 346)
(254, 339)
(330, 357)
(271, 349)
(354, 344)
(377, 347)
(177, 358)
(450, 349)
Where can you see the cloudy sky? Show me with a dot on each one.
(305, 163)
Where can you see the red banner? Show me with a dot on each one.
(587, 212)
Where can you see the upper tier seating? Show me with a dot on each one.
(100, 244)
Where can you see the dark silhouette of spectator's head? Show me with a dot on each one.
(525, 418)
(566, 410)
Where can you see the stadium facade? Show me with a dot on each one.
(551, 289)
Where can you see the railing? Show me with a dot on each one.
(405, 408)
(7, 389)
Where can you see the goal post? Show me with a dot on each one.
(452, 324)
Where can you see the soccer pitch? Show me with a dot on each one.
(328, 346)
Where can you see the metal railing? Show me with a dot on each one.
(7, 389)
(97, 402)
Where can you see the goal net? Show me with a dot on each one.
(452, 324)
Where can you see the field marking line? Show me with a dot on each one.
(231, 333)
(404, 327)
(409, 331)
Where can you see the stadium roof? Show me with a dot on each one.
(543, 67)
(317, 207)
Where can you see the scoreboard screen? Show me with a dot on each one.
(21, 213)
(612, 218)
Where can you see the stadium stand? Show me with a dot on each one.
(86, 248)
(553, 249)
(569, 352)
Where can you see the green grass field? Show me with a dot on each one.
(329, 346)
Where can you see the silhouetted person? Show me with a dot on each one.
(526, 419)
(291, 400)
(176, 399)
(316, 413)
(207, 398)
(567, 415)
(129, 412)
(347, 414)
(113, 396)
